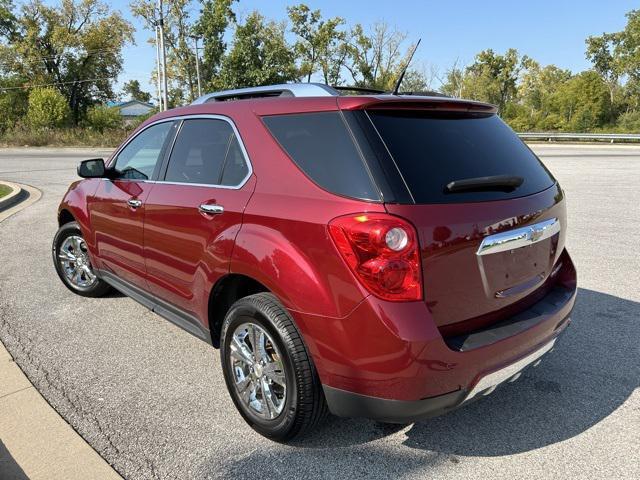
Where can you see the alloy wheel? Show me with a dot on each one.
(74, 260)
(258, 371)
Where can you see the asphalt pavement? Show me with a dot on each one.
(151, 399)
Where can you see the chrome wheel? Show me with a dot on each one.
(74, 261)
(258, 371)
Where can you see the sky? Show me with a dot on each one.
(548, 31)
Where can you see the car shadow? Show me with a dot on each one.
(9, 469)
(592, 371)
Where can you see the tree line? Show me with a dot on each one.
(59, 64)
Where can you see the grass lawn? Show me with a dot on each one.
(4, 190)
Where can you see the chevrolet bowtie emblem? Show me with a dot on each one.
(536, 233)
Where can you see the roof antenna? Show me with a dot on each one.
(404, 70)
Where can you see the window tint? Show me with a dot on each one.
(235, 168)
(320, 144)
(433, 149)
(138, 159)
(199, 152)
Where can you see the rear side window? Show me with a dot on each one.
(207, 152)
(432, 149)
(322, 146)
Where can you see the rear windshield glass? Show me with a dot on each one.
(321, 145)
(431, 150)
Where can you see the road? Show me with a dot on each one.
(151, 399)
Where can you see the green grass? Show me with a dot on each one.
(4, 190)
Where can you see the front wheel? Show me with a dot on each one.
(268, 371)
(73, 265)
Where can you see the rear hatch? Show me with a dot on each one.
(489, 215)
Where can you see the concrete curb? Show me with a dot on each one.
(14, 197)
(29, 195)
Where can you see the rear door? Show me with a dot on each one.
(486, 247)
(195, 211)
(118, 207)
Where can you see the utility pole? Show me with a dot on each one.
(195, 39)
(158, 69)
(163, 54)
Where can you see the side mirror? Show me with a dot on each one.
(93, 168)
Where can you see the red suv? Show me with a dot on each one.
(382, 256)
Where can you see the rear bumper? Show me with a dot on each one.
(348, 404)
(389, 361)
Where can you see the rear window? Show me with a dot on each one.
(321, 145)
(432, 149)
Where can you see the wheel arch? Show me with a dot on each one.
(225, 293)
(65, 216)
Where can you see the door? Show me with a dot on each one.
(193, 214)
(117, 209)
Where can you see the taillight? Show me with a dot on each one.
(382, 251)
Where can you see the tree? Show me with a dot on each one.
(320, 44)
(584, 102)
(47, 108)
(101, 118)
(492, 77)
(13, 101)
(75, 46)
(538, 97)
(600, 51)
(259, 55)
(215, 18)
(377, 57)
(133, 90)
(453, 81)
(7, 20)
(181, 60)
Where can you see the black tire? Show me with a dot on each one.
(304, 404)
(98, 288)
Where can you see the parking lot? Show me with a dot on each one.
(151, 399)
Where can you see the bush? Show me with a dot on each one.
(629, 122)
(24, 135)
(103, 118)
(47, 108)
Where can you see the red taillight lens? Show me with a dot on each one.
(382, 251)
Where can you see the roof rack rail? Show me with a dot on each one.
(282, 90)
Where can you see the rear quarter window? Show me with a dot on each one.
(431, 149)
(322, 147)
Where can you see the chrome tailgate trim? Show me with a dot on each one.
(519, 237)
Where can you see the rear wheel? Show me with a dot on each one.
(73, 265)
(268, 371)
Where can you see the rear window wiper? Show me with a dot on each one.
(496, 182)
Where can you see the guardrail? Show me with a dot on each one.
(551, 136)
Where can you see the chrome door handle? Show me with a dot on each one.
(211, 209)
(134, 203)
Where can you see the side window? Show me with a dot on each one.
(321, 145)
(138, 159)
(200, 151)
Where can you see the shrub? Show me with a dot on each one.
(103, 118)
(629, 122)
(47, 108)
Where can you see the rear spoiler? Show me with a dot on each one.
(389, 102)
